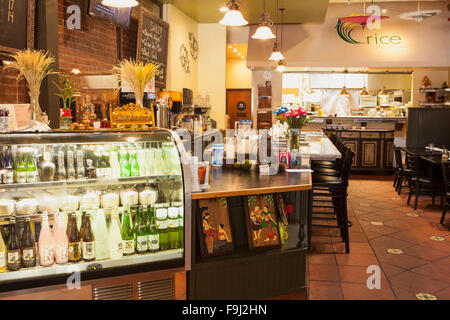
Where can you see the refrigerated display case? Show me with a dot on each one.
(106, 175)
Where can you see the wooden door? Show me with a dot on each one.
(239, 105)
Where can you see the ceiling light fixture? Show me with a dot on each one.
(234, 50)
(120, 3)
(281, 66)
(75, 71)
(233, 17)
(276, 54)
(230, 46)
(384, 11)
(419, 15)
(224, 9)
(344, 92)
(263, 32)
(364, 91)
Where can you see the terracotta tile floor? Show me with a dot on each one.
(380, 222)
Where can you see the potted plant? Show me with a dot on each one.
(66, 94)
(136, 75)
(33, 66)
(295, 119)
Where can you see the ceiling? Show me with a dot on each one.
(241, 50)
(297, 11)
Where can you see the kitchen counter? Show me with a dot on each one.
(232, 182)
(364, 118)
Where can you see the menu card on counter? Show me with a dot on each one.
(153, 34)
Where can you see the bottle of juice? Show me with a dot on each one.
(46, 243)
(61, 241)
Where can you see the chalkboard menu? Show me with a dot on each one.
(152, 44)
(16, 24)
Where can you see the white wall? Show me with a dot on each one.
(212, 68)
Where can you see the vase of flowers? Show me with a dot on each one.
(66, 94)
(33, 66)
(295, 119)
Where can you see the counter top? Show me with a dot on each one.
(318, 148)
(365, 118)
(231, 183)
(361, 130)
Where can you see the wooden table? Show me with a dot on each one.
(233, 183)
(420, 151)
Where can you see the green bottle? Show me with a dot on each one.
(30, 169)
(173, 223)
(134, 166)
(124, 164)
(153, 234)
(141, 233)
(181, 223)
(20, 168)
(161, 221)
(127, 233)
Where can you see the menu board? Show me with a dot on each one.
(118, 16)
(17, 24)
(152, 44)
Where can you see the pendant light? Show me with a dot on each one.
(276, 54)
(233, 17)
(419, 15)
(120, 3)
(364, 91)
(344, 92)
(281, 66)
(263, 32)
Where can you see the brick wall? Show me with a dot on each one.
(10, 90)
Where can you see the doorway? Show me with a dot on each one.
(239, 105)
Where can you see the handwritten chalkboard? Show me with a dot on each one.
(153, 38)
(17, 25)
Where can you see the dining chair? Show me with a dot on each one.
(403, 174)
(445, 202)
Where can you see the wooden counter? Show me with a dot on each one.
(233, 182)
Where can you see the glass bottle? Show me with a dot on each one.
(83, 223)
(161, 221)
(47, 168)
(101, 236)
(134, 166)
(13, 248)
(8, 171)
(127, 234)
(181, 225)
(99, 165)
(125, 168)
(115, 238)
(141, 233)
(153, 234)
(173, 223)
(114, 162)
(30, 168)
(2, 255)
(90, 170)
(71, 174)
(62, 174)
(74, 241)
(88, 241)
(69, 225)
(46, 243)
(107, 170)
(80, 165)
(20, 168)
(61, 241)
(28, 246)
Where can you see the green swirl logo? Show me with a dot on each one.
(344, 30)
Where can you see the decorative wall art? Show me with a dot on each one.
(193, 44)
(262, 222)
(184, 59)
(214, 227)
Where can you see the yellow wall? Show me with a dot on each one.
(212, 64)
(179, 27)
(238, 75)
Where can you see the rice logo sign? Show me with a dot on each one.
(347, 25)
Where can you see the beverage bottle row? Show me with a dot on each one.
(87, 162)
(150, 231)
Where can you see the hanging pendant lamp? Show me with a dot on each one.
(233, 17)
(419, 15)
(120, 3)
(263, 32)
(276, 54)
(281, 66)
(364, 92)
(344, 92)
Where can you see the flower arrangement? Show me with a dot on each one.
(33, 66)
(295, 119)
(137, 75)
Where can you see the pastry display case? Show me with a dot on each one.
(103, 204)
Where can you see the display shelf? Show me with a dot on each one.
(435, 104)
(85, 183)
(435, 90)
(70, 268)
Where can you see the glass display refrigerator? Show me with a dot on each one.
(100, 204)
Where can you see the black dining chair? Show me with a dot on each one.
(419, 183)
(402, 174)
(445, 200)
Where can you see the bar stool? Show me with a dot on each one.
(334, 190)
(332, 171)
(445, 199)
(418, 183)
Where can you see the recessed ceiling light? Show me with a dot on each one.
(238, 53)
(230, 46)
(384, 10)
(242, 57)
(224, 9)
(234, 50)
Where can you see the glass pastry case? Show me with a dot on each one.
(102, 203)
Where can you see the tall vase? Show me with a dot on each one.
(35, 109)
(294, 139)
(139, 97)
